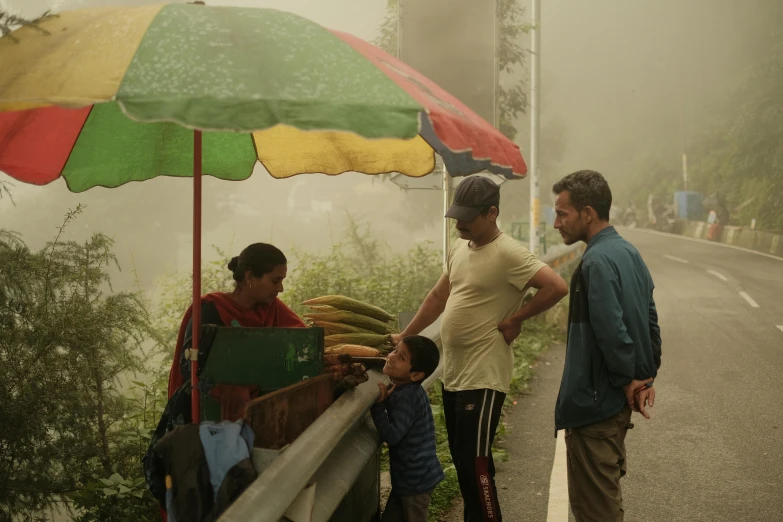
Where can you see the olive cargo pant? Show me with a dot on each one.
(596, 462)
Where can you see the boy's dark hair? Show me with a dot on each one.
(587, 188)
(424, 354)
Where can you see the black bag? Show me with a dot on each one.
(176, 413)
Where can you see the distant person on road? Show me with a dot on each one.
(613, 351)
(712, 221)
(480, 296)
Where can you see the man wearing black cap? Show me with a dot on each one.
(480, 296)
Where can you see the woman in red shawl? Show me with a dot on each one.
(259, 272)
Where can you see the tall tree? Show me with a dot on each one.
(737, 155)
(425, 206)
(67, 348)
(747, 169)
(512, 57)
(512, 60)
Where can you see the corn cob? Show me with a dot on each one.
(351, 318)
(360, 339)
(323, 308)
(354, 350)
(351, 305)
(333, 349)
(338, 328)
(333, 359)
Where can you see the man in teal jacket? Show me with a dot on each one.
(613, 351)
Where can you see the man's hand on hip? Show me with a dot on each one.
(510, 328)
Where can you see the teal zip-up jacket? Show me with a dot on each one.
(613, 332)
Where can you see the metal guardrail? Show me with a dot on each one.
(270, 495)
(334, 450)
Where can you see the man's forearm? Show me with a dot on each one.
(428, 312)
(544, 299)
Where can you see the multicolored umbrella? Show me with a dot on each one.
(112, 95)
(297, 97)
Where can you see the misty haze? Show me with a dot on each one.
(678, 104)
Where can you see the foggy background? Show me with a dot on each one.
(621, 80)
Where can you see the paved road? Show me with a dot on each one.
(714, 448)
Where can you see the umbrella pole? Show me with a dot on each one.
(195, 395)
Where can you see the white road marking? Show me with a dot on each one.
(705, 241)
(749, 299)
(718, 275)
(557, 508)
(675, 258)
(780, 327)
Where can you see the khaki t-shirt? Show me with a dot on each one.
(487, 285)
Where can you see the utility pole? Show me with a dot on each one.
(535, 107)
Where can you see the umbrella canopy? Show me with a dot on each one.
(78, 102)
(107, 96)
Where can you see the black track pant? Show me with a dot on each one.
(472, 418)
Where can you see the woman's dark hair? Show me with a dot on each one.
(424, 354)
(259, 258)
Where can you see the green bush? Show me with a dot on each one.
(68, 345)
(363, 268)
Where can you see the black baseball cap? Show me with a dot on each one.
(473, 194)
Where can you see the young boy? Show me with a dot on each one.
(403, 417)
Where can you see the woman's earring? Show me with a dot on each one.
(250, 285)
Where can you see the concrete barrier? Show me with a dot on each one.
(744, 237)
